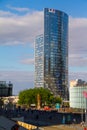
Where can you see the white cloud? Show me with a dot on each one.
(78, 75)
(78, 22)
(17, 76)
(15, 29)
(17, 9)
(27, 61)
(5, 14)
(78, 60)
(78, 42)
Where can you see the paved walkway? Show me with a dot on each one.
(63, 127)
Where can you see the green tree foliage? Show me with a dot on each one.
(57, 100)
(29, 96)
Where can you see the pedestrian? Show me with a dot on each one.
(74, 121)
(15, 127)
(63, 120)
(85, 128)
(69, 119)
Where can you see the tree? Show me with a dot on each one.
(29, 96)
(57, 99)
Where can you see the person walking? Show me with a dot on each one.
(63, 120)
(15, 127)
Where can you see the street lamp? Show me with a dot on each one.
(85, 95)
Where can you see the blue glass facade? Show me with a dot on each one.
(39, 61)
(55, 52)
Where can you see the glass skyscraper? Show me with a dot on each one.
(51, 53)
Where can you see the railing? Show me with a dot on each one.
(27, 126)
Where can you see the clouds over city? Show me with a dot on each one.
(22, 29)
(16, 29)
(20, 79)
(28, 61)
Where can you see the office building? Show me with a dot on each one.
(5, 89)
(51, 53)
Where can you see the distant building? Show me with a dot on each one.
(77, 82)
(77, 87)
(12, 99)
(51, 53)
(5, 89)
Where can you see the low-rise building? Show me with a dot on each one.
(5, 89)
(76, 97)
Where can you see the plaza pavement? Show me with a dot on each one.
(63, 127)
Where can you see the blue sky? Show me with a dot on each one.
(21, 21)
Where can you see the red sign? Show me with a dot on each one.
(85, 94)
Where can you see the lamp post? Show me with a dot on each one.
(85, 95)
(38, 101)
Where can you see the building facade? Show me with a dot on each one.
(5, 89)
(39, 61)
(76, 90)
(77, 99)
(51, 52)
